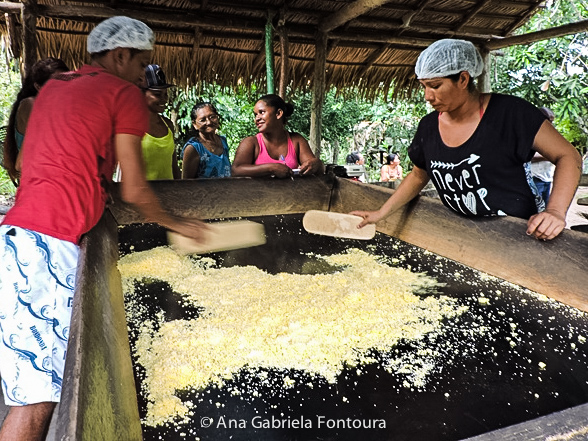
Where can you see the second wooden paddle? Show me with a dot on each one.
(329, 223)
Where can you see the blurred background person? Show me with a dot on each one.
(274, 151)
(542, 169)
(40, 73)
(206, 155)
(392, 170)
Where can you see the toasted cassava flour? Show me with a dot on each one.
(317, 324)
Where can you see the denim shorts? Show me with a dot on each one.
(37, 279)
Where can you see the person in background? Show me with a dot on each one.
(392, 170)
(81, 124)
(356, 173)
(274, 151)
(541, 169)
(206, 155)
(355, 158)
(159, 148)
(475, 147)
(40, 73)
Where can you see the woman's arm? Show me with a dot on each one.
(309, 163)
(190, 162)
(408, 189)
(244, 163)
(568, 169)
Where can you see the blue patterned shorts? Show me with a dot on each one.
(37, 278)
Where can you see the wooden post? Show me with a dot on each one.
(269, 54)
(284, 65)
(13, 35)
(484, 78)
(318, 93)
(29, 36)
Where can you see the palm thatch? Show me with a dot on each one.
(372, 44)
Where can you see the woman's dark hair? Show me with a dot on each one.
(352, 158)
(201, 105)
(471, 82)
(277, 102)
(391, 157)
(40, 73)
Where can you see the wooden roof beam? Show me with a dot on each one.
(374, 56)
(409, 16)
(471, 14)
(524, 18)
(10, 7)
(348, 13)
(532, 37)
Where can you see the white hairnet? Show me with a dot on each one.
(120, 32)
(448, 57)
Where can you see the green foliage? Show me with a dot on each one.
(551, 73)
(9, 87)
(6, 185)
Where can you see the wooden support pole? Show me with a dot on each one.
(29, 36)
(269, 55)
(318, 93)
(285, 63)
(484, 78)
(13, 34)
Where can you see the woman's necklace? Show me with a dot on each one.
(212, 145)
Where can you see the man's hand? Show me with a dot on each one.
(189, 227)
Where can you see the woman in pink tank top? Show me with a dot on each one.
(274, 151)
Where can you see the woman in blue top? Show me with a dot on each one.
(206, 155)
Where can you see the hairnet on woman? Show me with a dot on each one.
(476, 148)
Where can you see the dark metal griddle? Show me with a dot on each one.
(479, 383)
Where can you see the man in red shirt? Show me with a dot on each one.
(82, 123)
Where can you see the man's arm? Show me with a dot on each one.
(136, 191)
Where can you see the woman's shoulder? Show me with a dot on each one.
(297, 138)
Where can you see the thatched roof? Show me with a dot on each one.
(372, 44)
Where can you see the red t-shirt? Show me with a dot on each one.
(68, 152)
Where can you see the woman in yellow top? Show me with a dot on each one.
(159, 148)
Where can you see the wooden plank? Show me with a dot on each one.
(99, 399)
(232, 197)
(570, 424)
(497, 246)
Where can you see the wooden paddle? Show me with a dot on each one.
(221, 236)
(329, 223)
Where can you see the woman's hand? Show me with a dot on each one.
(312, 166)
(369, 217)
(546, 225)
(281, 171)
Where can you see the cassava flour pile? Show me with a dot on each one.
(251, 319)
